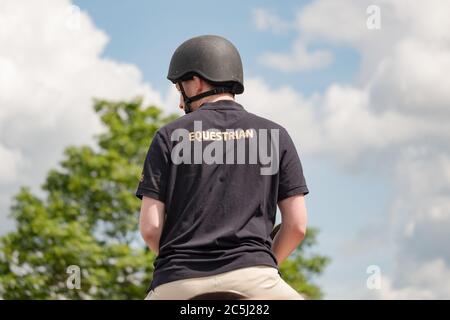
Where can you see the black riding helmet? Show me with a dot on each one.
(212, 58)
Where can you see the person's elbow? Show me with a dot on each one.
(294, 216)
(296, 231)
(301, 231)
(150, 234)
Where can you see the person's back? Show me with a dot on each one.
(211, 183)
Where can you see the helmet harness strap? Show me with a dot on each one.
(189, 100)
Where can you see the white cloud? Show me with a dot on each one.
(266, 20)
(423, 281)
(10, 161)
(337, 21)
(299, 60)
(411, 80)
(51, 69)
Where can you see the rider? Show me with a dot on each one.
(208, 221)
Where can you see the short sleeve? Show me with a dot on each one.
(291, 179)
(155, 171)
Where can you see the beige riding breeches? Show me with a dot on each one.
(256, 282)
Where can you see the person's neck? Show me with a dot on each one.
(214, 98)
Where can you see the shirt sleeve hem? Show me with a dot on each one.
(149, 193)
(294, 191)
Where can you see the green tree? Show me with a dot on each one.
(89, 219)
(300, 269)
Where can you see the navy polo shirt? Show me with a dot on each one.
(220, 194)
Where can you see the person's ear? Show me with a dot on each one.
(198, 84)
(186, 86)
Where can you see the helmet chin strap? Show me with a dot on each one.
(189, 100)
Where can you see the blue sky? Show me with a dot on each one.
(353, 96)
(147, 33)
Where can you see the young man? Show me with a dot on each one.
(211, 183)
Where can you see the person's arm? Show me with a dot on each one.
(151, 222)
(152, 191)
(293, 227)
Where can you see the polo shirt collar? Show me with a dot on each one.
(222, 104)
